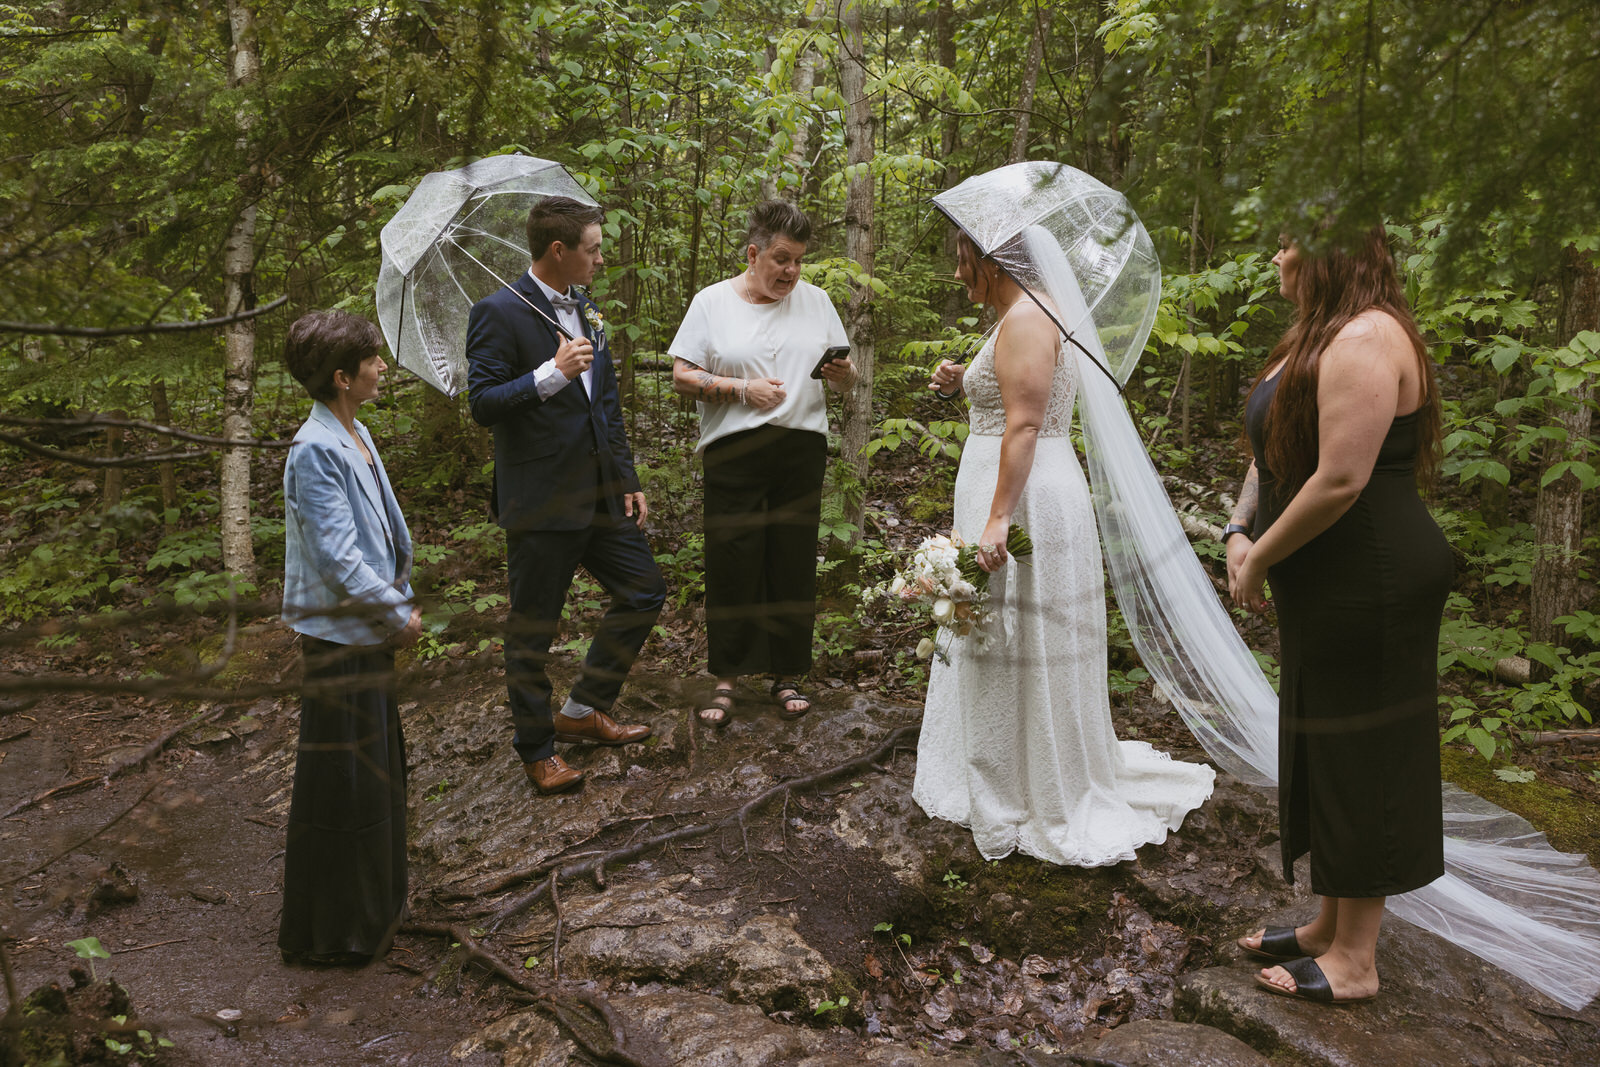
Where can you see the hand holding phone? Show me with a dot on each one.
(834, 353)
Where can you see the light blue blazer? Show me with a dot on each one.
(347, 552)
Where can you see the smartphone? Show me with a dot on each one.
(836, 352)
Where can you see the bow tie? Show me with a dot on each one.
(564, 303)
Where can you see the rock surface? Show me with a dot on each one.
(1439, 1007)
(678, 1027)
(1159, 1043)
(723, 948)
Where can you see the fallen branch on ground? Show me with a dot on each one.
(149, 751)
(84, 840)
(1556, 737)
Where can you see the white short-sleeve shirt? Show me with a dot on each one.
(731, 338)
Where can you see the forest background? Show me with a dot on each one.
(168, 163)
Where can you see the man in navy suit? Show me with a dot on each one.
(565, 488)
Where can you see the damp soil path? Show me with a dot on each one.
(197, 949)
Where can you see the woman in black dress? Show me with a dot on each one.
(1342, 423)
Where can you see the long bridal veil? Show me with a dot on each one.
(1074, 244)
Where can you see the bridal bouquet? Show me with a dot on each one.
(943, 578)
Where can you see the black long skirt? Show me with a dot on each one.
(344, 872)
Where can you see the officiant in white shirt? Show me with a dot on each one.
(746, 351)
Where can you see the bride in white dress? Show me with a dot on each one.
(1017, 742)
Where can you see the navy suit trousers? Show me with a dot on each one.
(541, 565)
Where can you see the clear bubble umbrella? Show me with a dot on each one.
(1106, 245)
(460, 236)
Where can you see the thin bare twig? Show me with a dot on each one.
(56, 791)
(157, 944)
(154, 748)
(95, 422)
(43, 330)
(84, 840)
(78, 459)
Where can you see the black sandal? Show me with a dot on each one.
(786, 693)
(717, 709)
(1277, 945)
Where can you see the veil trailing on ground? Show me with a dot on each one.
(1080, 252)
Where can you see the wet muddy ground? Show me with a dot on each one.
(835, 925)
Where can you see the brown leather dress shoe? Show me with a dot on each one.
(552, 775)
(599, 728)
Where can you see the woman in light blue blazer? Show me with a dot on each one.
(347, 592)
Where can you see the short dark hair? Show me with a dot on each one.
(321, 342)
(773, 218)
(559, 218)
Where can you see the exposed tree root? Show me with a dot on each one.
(683, 833)
(567, 1009)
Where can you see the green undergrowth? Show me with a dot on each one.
(1571, 822)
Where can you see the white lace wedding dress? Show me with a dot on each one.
(1017, 742)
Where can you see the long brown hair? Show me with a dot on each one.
(1331, 288)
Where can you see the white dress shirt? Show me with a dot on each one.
(547, 377)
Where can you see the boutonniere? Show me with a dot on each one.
(597, 321)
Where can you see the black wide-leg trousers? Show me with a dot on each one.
(763, 501)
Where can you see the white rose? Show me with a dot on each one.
(925, 648)
(944, 609)
(895, 586)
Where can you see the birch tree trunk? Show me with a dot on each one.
(859, 246)
(944, 29)
(239, 338)
(805, 79)
(1558, 515)
(1030, 85)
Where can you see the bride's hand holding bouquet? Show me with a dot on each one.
(949, 580)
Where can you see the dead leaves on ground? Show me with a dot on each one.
(961, 992)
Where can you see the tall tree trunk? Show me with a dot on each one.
(115, 436)
(161, 408)
(1558, 516)
(859, 246)
(1030, 84)
(805, 79)
(239, 338)
(944, 31)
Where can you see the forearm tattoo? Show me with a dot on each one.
(1244, 513)
(717, 390)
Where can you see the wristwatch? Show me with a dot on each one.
(1231, 529)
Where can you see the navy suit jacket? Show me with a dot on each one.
(553, 459)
